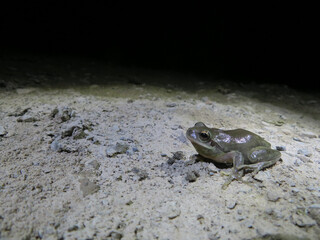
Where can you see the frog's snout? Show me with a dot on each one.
(191, 135)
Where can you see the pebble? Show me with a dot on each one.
(119, 148)
(25, 90)
(314, 212)
(62, 113)
(231, 204)
(305, 152)
(303, 221)
(27, 118)
(192, 176)
(95, 164)
(114, 235)
(308, 135)
(281, 148)
(67, 132)
(272, 197)
(171, 161)
(79, 133)
(19, 112)
(295, 191)
(73, 228)
(135, 149)
(3, 132)
(142, 174)
(115, 128)
(178, 155)
(172, 209)
(204, 99)
(297, 139)
(88, 187)
(262, 176)
(171, 105)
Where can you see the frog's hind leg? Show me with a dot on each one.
(260, 158)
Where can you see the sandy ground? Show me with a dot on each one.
(90, 151)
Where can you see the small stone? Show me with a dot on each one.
(212, 169)
(171, 161)
(115, 128)
(314, 212)
(272, 197)
(25, 90)
(55, 146)
(192, 159)
(305, 152)
(46, 170)
(295, 191)
(172, 209)
(54, 112)
(163, 154)
(269, 211)
(175, 127)
(171, 105)
(114, 235)
(142, 174)
(178, 155)
(192, 176)
(79, 133)
(27, 118)
(204, 99)
(291, 183)
(297, 139)
(95, 164)
(231, 204)
(73, 228)
(281, 148)
(261, 176)
(88, 187)
(308, 135)
(302, 220)
(119, 148)
(19, 112)
(63, 114)
(135, 149)
(3, 132)
(67, 132)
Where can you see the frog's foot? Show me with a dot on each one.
(257, 166)
(235, 175)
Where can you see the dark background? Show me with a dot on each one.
(259, 42)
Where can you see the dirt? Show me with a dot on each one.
(92, 151)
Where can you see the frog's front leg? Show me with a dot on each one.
(238, 160)
(260, 158)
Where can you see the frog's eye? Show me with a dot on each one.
(204, 135)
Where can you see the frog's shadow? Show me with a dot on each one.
(199, 158)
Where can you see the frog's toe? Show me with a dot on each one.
(223, 173)
(231, 177)
(227, 183)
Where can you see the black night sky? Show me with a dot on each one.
(261, 42)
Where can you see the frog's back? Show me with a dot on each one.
(239, 140)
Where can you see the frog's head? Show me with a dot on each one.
(200, 136)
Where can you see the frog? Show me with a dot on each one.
(241, 148)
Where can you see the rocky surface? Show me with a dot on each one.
(111, 161)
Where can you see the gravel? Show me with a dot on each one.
(101, 164)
